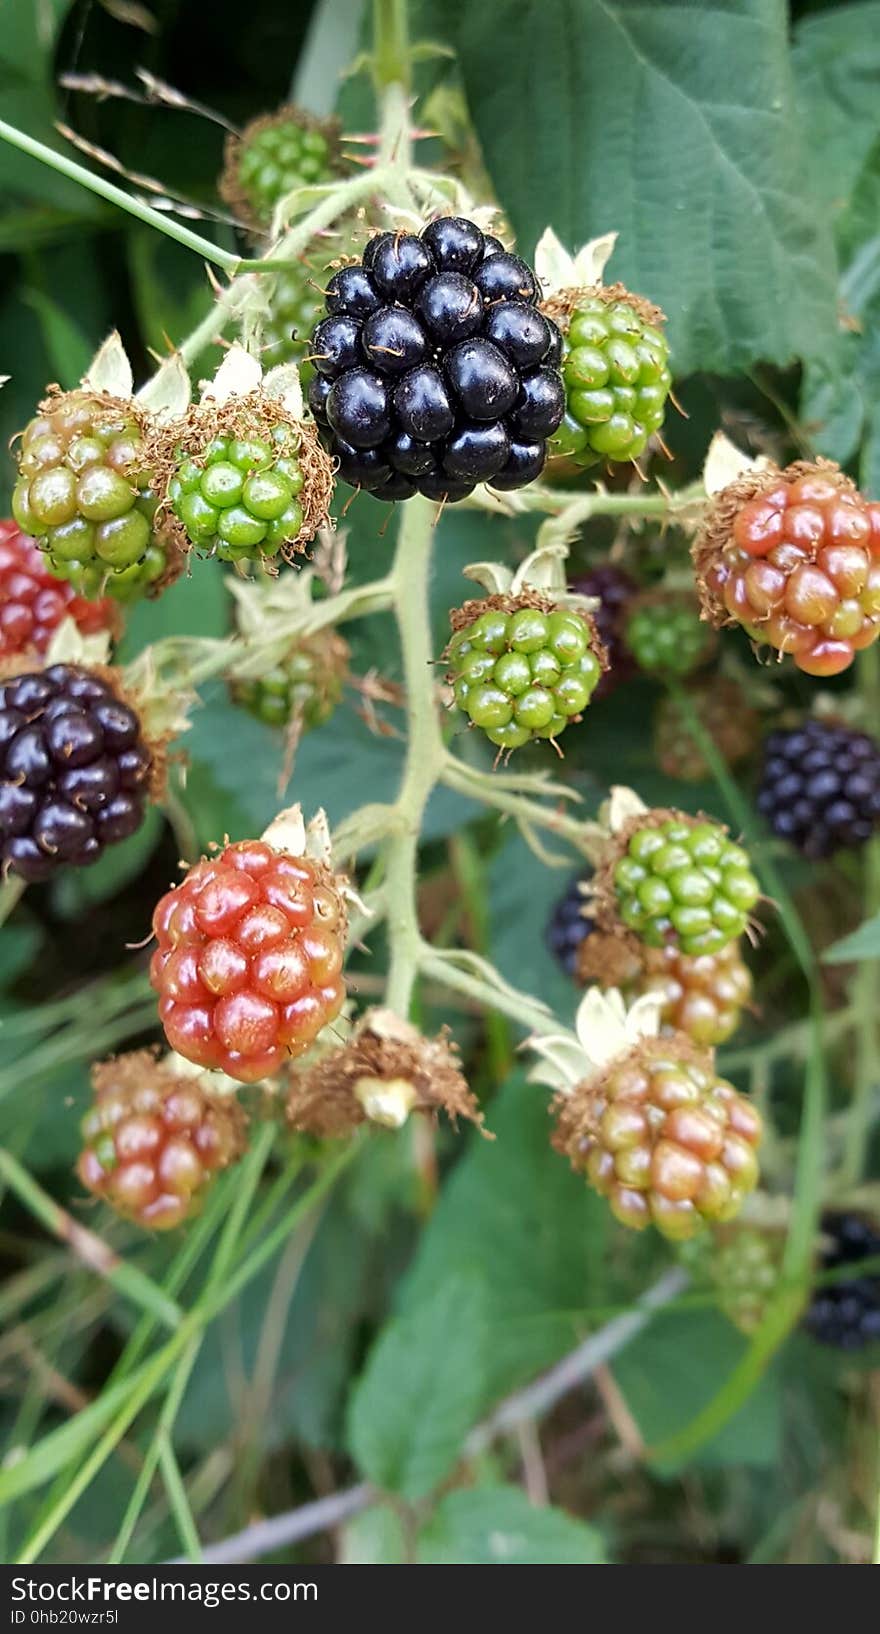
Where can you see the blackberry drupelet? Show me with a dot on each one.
(435, 368)
(846, 1314)
(33, 602)
(820, 787)
(75, 769)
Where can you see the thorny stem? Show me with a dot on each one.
(866, 982)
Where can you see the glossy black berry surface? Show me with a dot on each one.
(844, 1311)
(568, 926)
(435, 369)
(820, 787)
(74, 770)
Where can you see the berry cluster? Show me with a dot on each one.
(525, 672)
(153, 1141)
(616, 374)
(794, 557)
(727, 717)
(614, 590)
(846, 1314)
(74, 769)
(84, 495)
(33, 603)
(663, 1138)
(275, 155)
(249, 959)
(569, 926)
(239, 498)
(683, 883)
(820, 787)
(435, 369)
(304, 688)
(703, 995)
(665, 634)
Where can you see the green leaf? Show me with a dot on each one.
(836, 61)
(422, 1390)
(676, 126)
(513, 1211)
(68, 348)
(497, 1526)
(863, 943)
(676, 1366)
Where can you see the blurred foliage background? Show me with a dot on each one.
(736, 149)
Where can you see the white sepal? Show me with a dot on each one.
(605, 1028)
(110, 370)
(168, 392)
(496, 577)
(238, 374)
(619, 809)
(558, 270)
(561, 1062)
(592, 259)
(211, 1080)
(284, 382)
(387, 1101)
(287, 831)
(725, 462)
(68, 645)
(543, 569)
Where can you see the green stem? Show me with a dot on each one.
(391, 61)
(483, 786)
(89, 1249)
(521, 1007)
(866, 981)
(142, 1485)
(116, 195)
(425, 752)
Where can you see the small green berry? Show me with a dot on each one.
(523, 674)
(685, 886)
(238, 498)
(617, 379)
(665, 634)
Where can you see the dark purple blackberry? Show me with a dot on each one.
(845, 1314)
(435, 369)
(568, 927)
(74, 770)
(615, 589)
(820, 787)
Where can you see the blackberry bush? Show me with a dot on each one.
(153, 1140)
(794, 557)
(84, 492)
(820, 787)
(616, 372)
(435, 369)
(845, 1313)
(248, 963)
(522, 669)
(677, 881)
(33, 602)
(75, 769)
(272, 157)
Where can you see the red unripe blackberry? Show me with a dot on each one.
(845, 1313)
(820, 787)
(794, 557)
(615, 590)
(33, 602)
(248, 966)
(154, 1140)
(75, 768)
(662, 1137)
(703, 995)
(727, 716)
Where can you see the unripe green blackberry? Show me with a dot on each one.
(295, 308)
(85, 494)
(741, 1265)
(662, 1137)
(521, 668)
(303, 689)
(245, 481)
(722, 707)
(274, 155)
(153, 1140)
(616, 373)
(678, 881)
(665, 634)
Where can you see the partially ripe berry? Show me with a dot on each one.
(703, 994)
(666, 1140)
(248, 963)
(33, 602)
(154, 1140)
(794, 557)
(521, 668)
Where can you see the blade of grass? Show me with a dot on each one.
(164, 1429)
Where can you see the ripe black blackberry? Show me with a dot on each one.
(74, 769)
(846, 1314)
(435, 369)
(820, 787)
(568, 926)
(615, 590)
